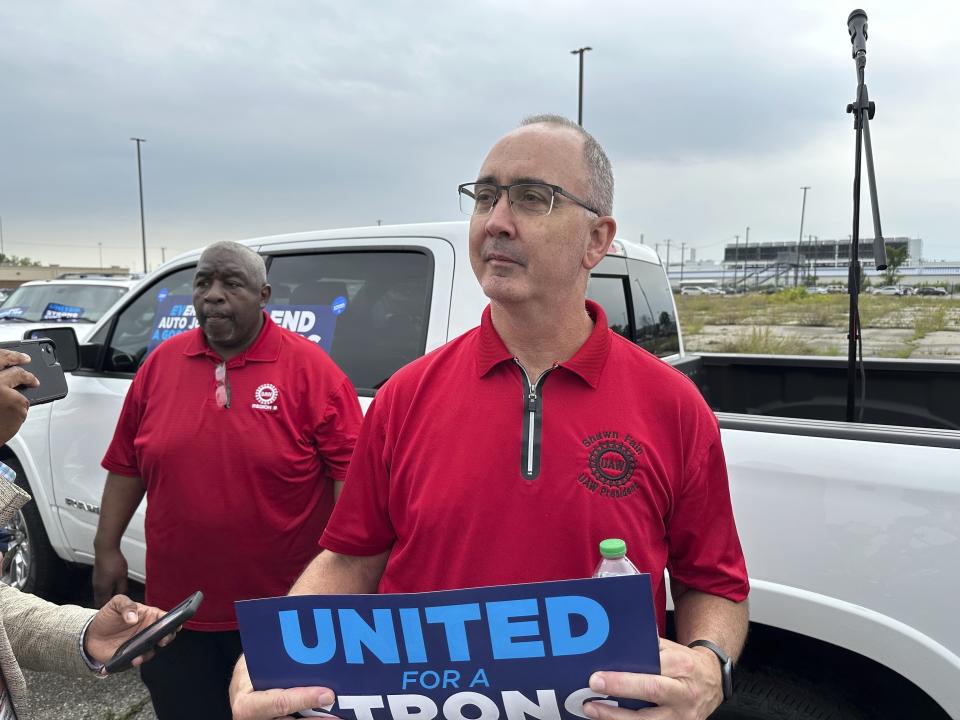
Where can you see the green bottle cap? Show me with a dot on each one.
(613, 548)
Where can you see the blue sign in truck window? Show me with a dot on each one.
(56, 311)
(503, 652)
(315, 322)
(175, 314)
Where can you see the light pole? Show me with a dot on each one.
(100, 251)
(746, 241)
(1, 237)
(580, 52)
(736, 260)
(683, 245)
(796, 267)
(143, 229)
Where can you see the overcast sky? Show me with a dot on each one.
(282, 116)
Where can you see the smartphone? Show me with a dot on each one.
(43, 364)
(146, 639)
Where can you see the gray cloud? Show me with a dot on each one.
(294, 115)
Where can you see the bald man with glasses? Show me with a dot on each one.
(479, 447)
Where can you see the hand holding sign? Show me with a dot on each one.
(689, 686)
(249, 704)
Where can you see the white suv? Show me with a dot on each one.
(79, 301)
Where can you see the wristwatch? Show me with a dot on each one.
(726, 665)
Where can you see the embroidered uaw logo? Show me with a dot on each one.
(265, 397)
(611, 464)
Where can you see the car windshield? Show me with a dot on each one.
(59, 303)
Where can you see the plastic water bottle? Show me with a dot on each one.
(614, 562)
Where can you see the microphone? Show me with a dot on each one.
(857, 26)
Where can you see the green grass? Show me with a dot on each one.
(797, 307)
(761, 341)
(759, 314)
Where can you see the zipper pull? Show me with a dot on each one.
(532, 400)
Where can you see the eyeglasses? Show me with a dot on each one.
(524, 198)
(223, 386)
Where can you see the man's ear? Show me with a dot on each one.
(601, 235)
(265, 293)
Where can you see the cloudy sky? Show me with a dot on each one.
(270, 117)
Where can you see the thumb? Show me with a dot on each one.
(126, 608)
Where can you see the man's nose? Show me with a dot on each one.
(501, 219)
(214, 292)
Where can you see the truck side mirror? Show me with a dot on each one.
(65, 340)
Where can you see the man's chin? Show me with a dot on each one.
(502, 290)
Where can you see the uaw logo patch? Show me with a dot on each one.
(611, 464)
(265, 397)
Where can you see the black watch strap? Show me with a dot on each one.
(726, 665)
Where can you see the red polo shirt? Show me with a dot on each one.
(470, 481)
(236, 497)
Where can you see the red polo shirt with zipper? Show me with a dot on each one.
(473, 474)
(237, 496)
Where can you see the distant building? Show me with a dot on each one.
(821, 261)
(12, 276)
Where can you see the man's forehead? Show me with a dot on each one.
(222, 261)
(534, 153)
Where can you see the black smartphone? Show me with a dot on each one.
(44, 365)
(146, 639)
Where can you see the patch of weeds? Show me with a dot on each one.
(692, 327)
(901, 351)
(929, 320)
(761, 341)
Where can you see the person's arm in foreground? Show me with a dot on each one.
(689, 686)
(13, 405)
(329, 573)
(121, 496)
(48, 637)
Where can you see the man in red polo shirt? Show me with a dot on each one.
(506, 455)
(237, 432)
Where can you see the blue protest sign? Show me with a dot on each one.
(477, 654)
(315, 322)
(56, 311)
(174, 315)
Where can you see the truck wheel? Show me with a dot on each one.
(30, 563)
(767, 694)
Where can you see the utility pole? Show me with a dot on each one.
(580, 52)
(641, 238)
(163, 255)
(100, 252)
(736, 260)
(668, 256)
(143, 229)
(746, 242)
(1, 235)
(682, 246)
(796, 267)
(816, 255)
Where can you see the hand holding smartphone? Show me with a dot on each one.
(145, 640)
(44, 366)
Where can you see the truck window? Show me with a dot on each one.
(653, 310)
(136, 326)
(611, 294)
(368, 309)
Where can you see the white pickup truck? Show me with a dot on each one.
(851, 530)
